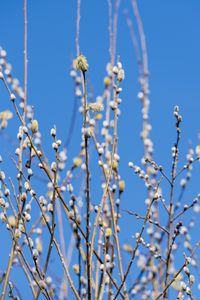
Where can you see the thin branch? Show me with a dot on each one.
(78, 18)
(87, 189)
(25, 57)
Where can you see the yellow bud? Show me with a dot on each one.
(108, 232)
(114, 164)
(98, 116)
(17, 234)
(107, 81)
(76, 269)
(11, 221)
(198, 149)
(81, 63)
(34, 126)
(39, 245)
(121, 186)
(127, 248)
(6, 115)
(77, 161)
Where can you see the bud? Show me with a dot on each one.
(11, 221)
(34, 126)
(120, 75)
(77, 161)
(95, 107)
(17, 234)
(76, 269)
(121, 186)
(107, 81)
(108, 232)
(81, 63)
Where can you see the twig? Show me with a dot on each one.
(87, 189)
(10, 262)
(149, 220)
(78, 18)
(135, 249)
(25, 58)
(177, 273)
(173, 174)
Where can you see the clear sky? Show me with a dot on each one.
(172, 30)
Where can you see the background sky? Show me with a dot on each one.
(172, 30)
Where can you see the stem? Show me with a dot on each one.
(163, 293)
(78, 18)
(62, 259)
(135, 249)
(8, 271)
(25, 57)
(87, 189)
(27, 275)
(170, 220)
(52, 230)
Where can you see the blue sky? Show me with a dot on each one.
(172, 30)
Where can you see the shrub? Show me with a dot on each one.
(61, 218)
